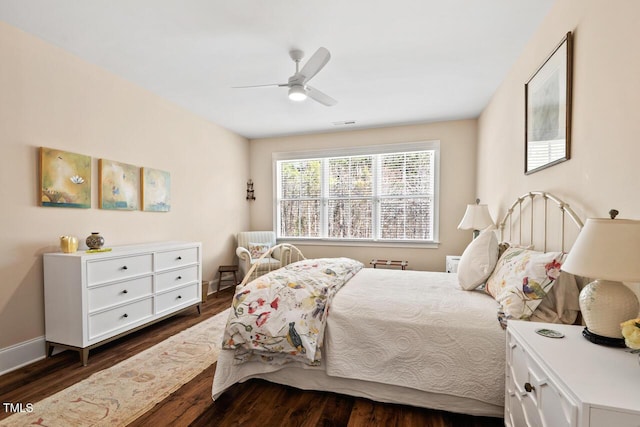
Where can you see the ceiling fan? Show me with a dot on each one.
(299, 90)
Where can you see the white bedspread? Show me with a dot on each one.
(412, 329)
(417, 330)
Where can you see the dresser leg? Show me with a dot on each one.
(198, 307)
(84, 356)
(49, 349)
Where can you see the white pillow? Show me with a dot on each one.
(478, 260)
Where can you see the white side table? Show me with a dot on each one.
(568, 381)
(452, 263)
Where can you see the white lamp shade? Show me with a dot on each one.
(606, 249)
(476, 217)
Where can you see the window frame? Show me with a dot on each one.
(404, 147)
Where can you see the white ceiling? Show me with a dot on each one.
(393, 62)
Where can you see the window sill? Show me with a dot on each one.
(361, 243)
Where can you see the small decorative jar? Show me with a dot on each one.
(68, 244)
(95, 241)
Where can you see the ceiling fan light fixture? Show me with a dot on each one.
(297, 93)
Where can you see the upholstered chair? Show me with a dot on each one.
(251, 245)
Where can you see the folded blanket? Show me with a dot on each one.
(281, 316)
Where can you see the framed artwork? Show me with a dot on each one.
(65, 179)
(548, 110)
(156, 190)
(119, 185)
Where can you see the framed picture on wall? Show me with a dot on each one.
(119, 185)
(156, 190)
(548, 110)
(65, 179)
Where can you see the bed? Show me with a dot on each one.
(426, 339)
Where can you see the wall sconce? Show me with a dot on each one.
(250, 195)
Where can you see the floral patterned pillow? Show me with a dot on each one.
(521, 279)
(258, 249)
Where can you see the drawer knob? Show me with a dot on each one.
(179, 296)
(125, 315)
(528, 387)
(125, 291)
(179, 258)
(124, 267)
(179, 278)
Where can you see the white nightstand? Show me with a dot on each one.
(568, 381)
(452, 263)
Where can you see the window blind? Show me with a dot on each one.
(387, 196)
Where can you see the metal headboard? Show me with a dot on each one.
(520, 206)
(288, 254)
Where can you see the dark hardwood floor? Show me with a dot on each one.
(254, 403)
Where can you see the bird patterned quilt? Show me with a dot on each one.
(281, 316)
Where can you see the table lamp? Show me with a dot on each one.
(476, 218)
(606, 250)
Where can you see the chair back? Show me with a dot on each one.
(246, 237)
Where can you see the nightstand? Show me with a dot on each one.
(451, 263)
(568, 381)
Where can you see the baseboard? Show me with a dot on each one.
(22, 354)
(214, 287)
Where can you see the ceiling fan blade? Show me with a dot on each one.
(321, 97)
(315, 63)
(269, 85)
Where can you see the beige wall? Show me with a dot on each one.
(50, 98)
(457, 183)
(603, 171)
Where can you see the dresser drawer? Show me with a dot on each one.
(120, 292)
(176, 258)
(174, 278)
(522, 405)
(533, 398)
(608, 418)
(178, 297)
(119, 317)
(107, 270)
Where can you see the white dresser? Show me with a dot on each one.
(92, 298)
(556, 382)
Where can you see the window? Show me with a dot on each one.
(381, 193)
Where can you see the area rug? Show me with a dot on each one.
(118, 395)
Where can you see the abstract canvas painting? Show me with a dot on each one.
(119, 185)
(65, 179)
(156, 190)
